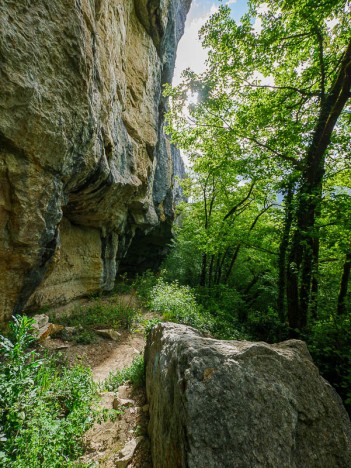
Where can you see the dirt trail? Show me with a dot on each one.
(107, 442)
(120, 356)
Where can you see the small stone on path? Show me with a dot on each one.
(110, 333)
(127, 453)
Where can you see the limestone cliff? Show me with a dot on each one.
(84, 163)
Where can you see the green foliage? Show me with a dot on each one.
(267, 326)
(184, 260)
(80, 336)
(123, 285)
(177, 303)
(267, 134)
(135, 374)
(144, 283)
(44, 407)
(249, 130)
(223, 304)
(150, 324)
(329, 342)
(101, 313)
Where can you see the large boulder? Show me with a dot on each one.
(84, 162)
(216, 404)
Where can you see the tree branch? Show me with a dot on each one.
(280, 155)
(233, 210)
(304, 93)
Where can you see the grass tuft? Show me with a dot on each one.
(98, 314)
(135, 374)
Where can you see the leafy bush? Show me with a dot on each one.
(144, 284)
(183, 263)
(330, 345)
(178, 304)
(226, 328)
(98, 314)
(135, 374)
(224, 304)
(81, 336)
(221, 299)
(150, 324)
(267, 326)
(44, 408)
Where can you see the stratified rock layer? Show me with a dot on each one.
(240, 405)
(84, 163)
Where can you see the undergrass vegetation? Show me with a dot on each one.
(329, 343)
(143, 284)
(100, 313)
(123, 285)
(135, 374)
(150, 324)
(45, 407)
(178, 303)
(197, 308)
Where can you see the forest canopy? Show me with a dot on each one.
(267, 132)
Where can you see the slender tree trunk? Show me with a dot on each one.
(217, 268)
(221, 264)
(202, 281)
(207, 212)
(210, 271)
(238, 247)
(341, 309)
(303, 255)
(232, 262)
(283, 251)
(219, 273)
(253, 282)
(292, 293)
(315, 284)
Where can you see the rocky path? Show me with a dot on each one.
(121, 355)
(123, 442)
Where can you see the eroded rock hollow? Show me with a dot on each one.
(240, 404)
(84, 163)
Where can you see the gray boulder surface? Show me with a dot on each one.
(216, 404)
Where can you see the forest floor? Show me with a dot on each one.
(121, 442)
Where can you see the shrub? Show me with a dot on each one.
(144, 284)
(178, 304)
(221, 299)
(44, 408)
(330, 345)
(150, 324)
(224, 304)
(98, 314)
(267, 326)
(135, 374)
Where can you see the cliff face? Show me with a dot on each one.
(84, 163)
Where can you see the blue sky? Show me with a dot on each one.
(201, 7)
(190, 53)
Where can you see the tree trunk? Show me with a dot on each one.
(315, 287)
(341, 309)
(202, 281)
(302, 259)
(232, 262)
(210, 271)
(217, 269)
(283, 251)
